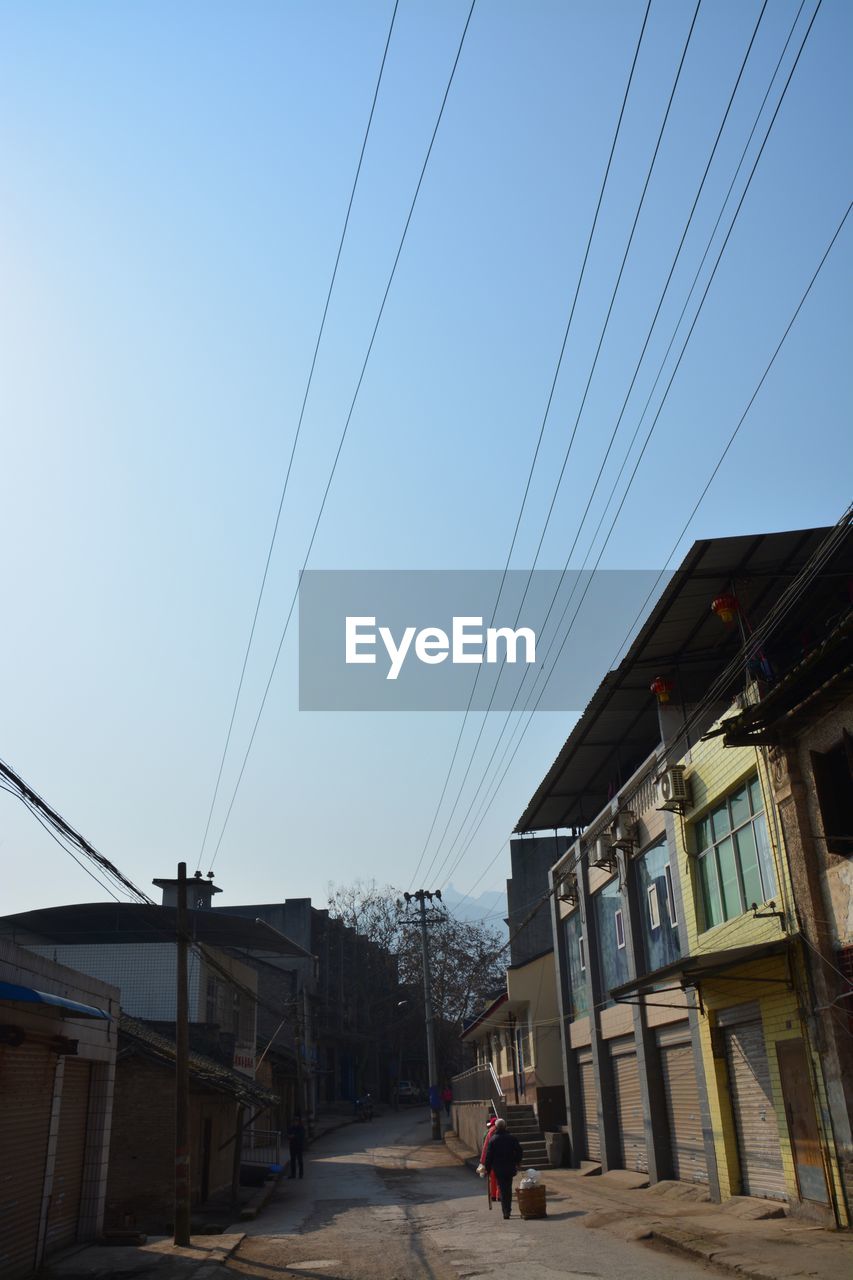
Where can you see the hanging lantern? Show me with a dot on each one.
(725, 607)
(661, 688)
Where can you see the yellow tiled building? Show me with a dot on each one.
(766, 1097)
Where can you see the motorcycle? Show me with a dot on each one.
(364, 1107)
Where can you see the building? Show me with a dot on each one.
(140, 1187)
(350, 1040)
(58, 1035)
(678, 952)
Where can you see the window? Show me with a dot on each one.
(833, 775)
(620, 930)
(612, 960)
(576, 960)
(670, 897)
(734, 858)
(660, 939)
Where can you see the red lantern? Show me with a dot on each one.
(661, 688)
(725, 607)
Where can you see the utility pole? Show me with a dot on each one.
(421, 898)
(182, 1099)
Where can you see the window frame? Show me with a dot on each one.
(670, 896)
(653, 905)
(707, 859)
(619, 922)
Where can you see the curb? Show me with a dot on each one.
(707, 1250)
(210, 1268)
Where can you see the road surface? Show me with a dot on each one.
(382, 1201)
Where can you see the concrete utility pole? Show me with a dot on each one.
(182, 1098)
(421, 897)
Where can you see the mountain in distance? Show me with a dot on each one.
(491, 903)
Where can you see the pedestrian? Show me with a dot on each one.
(493, 1182)
(296, 1139)
(503, 1156)
(447, 1098)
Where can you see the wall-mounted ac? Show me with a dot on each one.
(603, 853)
(567, 888)
(674, 789)
(624, 830)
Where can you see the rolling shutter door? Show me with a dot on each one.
(590, 1105)
(26, 1090)
(678, 1070)
(629, 1105)
(64, 1207)
(754, 1114)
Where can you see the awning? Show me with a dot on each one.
(70, 1008)
(691, 971)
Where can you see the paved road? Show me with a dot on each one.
(381, 1201)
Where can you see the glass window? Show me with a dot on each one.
(576, 959)
(659, 926)
(735, 860)
(620, 929)
(613, 960)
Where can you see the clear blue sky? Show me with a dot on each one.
(173, 181)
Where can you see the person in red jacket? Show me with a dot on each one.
(503, 1156)
(494, 1193)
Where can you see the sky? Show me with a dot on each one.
(173, 185)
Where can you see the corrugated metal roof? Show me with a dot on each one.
(682, 639)
(131, 922)
(138, 1037)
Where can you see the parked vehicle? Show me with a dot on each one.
(409, 1092)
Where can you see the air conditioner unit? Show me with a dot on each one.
(674, 788)
(567, 889)
(604, 855)
(624, 830)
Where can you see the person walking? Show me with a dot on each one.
(447, 1098)
(296, 1140)
(503, 1156)
(493, 1182)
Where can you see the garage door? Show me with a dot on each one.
(629, 1105)
(754, 1115)
(26, 1090)
(678, 1071)
(590, 1104)
(64, 1208)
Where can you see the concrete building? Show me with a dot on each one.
(58, 1038)
(681, 1005)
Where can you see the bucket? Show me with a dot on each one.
(531, 1201)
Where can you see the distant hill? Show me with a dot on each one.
(491, 904)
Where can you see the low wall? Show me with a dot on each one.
(469, 1123)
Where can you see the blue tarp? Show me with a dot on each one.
(27, 995)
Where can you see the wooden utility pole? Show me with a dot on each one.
(182, 1092)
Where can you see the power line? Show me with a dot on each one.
(635, 469)
(296, 435)
(545, 417)
(761, 635)
(40, 809)
(346, 425)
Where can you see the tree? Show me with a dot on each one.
(467, 959)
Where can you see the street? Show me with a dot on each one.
(382, 1201)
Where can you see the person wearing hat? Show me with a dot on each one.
(502, 1158)
(487, 1137)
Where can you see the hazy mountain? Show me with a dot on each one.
(491, 904)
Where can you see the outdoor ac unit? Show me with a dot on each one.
(605, 855)
(673, 788)
(567, 889)
(624, 829)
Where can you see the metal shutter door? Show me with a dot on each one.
(26, 1091)
(590, 1105)
(64, 1207)
(754, 1115)
(687, 1145)
(629, 1105)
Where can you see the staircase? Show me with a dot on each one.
(522, 1124)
